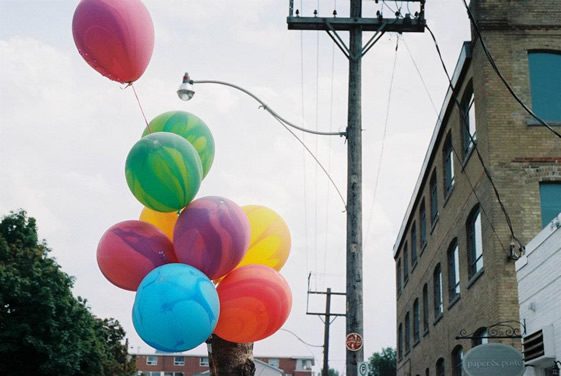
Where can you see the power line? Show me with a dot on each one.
(500, 75)
(473, 142)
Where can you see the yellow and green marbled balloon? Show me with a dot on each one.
(163, 171)
(190, 127)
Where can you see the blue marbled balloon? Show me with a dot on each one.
(176, 308)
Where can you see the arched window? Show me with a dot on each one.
(467, 119)
(416, 321)
(457, 358)
(474, 242)
(433, 187)
(448, 165)
(480, 337)
(425, 308)
(413, 243)
(437, 291)
(400, 342)
(423, 224)
(407, 333)
(440, 367)
(453, 270)
(427, 372)
(398, 276)
(405, 264)
(545, 81)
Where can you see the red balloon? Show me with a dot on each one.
(129, 250)
(211, 234)
(116, 38)
(255, 301)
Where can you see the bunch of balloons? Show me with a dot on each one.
(198, 266)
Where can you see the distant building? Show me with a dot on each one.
(192, 365)
(454, 254)
(539, 292)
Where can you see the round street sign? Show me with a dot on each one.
(353, 342)
(363, 368)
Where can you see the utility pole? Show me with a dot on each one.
(355, 25)
(327, 315)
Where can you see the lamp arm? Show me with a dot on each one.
(268, 109)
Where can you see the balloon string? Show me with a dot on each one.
(140, 106)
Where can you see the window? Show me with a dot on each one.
(413, 244)
(405, 264)
(407, 333)
(474, 242)
(457, 358)
(545, 81)
(416, 321)
(179, 361)
(425, 308)
(440, 367)
(423, 222)
(203, 361)
(274, 362)
(433, 199)
(468, 119)
(151, 360)
(169, 373)
(437, 284)
(480, 337)
(448, 158)
(427, 372)
(550, 200)
(400, 342)
(398, 276)
(453, 271)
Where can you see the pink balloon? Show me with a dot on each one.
(129, 250)
(116, 38)
(211, 234)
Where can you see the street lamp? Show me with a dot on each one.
(353, 206)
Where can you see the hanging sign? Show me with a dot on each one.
(493, 359)
(353, 342)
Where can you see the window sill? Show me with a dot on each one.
(423, 247)
(531, 122)
(453, 302)
(405, 282)
(438, 318)
(426, 332)
(414, 266)
(417, 341)
(475, 277)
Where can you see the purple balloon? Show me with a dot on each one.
(212, 235)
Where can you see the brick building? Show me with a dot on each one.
(192, 365)
(454, 261)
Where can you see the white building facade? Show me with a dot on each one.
(539, 293)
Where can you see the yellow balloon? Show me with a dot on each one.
(270, 241)
(165, 222)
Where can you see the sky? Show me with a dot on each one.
(65, 132)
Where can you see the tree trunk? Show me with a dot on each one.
(228, 358)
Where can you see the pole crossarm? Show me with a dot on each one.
(402, 25)
(267, 108)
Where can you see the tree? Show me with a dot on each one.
(44, 329)
(384, 363)
(228, 358)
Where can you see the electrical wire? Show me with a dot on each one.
(500, 75)
(475, 147)
(299, 339)
(381, 155)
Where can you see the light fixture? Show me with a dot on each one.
(555, 369)
(186, 91)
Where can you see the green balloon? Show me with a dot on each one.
(163, 171)
(190, 127)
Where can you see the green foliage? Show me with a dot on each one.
(44, 329)
(332, 372)
(383, 363)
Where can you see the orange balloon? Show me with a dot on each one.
(255, 301)
(165, 222)
(270, 241)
